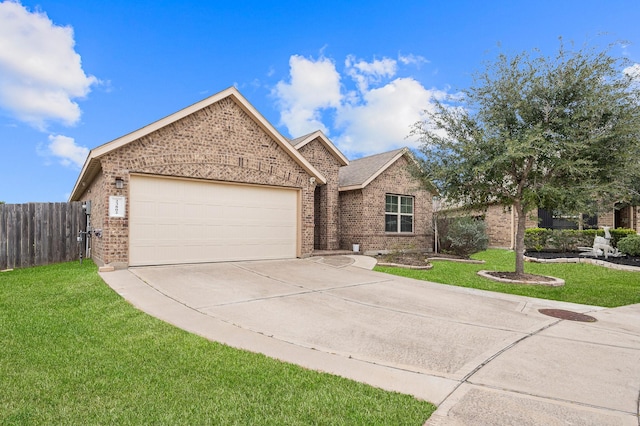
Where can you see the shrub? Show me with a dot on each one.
(443, 223)
(618, 234)
(536, 238)
(564, 240)
(630, 245)
(466, 236)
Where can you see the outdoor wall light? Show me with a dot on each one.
(119, 183)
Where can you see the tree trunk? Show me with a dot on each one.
(520, 227)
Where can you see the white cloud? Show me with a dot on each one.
(383, 119)
(373, 115)
(40, 72)
(66, 150)
(378, 68)
(633, 71)
(412, 59)
(314, 85)
(367, 73)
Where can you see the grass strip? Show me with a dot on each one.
(74, 352)
(584, 283)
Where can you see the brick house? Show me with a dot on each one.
(382, 207)
(217, 182)
(501, 221)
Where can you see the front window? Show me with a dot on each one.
(398, 213)
(554, 219)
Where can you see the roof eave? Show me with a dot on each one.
(89, 171)
(350, 188)
(327, 144)
(231, 92)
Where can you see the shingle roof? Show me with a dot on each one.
(298, 143)
(360, 171)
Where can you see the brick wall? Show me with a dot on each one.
(95, 193)
(362, 213)
(326, 199)
(218, 143)
(606, 218)
(500, 222)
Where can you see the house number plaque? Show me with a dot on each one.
(116, 206)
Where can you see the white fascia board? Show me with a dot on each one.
(350, 188)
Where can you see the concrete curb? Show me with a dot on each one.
(584, 260)
(553, 281)
(398, 265)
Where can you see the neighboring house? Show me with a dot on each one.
(217, 182)
(501, 221)
(620, 216)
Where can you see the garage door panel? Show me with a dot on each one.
(181, 221)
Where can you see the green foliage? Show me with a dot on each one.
(584, 283)
(618, 234)
(466, 235)
(561, 240)
(443, 223)
(630, 245)
(566, 240)
(537, 131)
(74, 352)
(536, 238)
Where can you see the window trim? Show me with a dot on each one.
(555, 219)
(399, 214)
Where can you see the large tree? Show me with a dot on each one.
(536, 131)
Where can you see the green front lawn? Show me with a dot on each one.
(584, 283)
(74, 352)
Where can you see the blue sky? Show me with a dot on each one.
(77, 74)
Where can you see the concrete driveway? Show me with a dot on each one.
(482, 357)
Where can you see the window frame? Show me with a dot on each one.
(399, 214)
(555, 219)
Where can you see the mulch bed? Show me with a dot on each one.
(409, 259)
(417, 258)
(624, 260)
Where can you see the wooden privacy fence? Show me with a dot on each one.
(39, 233)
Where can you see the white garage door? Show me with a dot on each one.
(184, 221)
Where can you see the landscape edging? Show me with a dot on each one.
(583, 260)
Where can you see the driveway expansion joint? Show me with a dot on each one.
(550, 398)
(466, 378)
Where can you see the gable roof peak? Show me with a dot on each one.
(92, 163)
(324, 140)
(359, 173)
